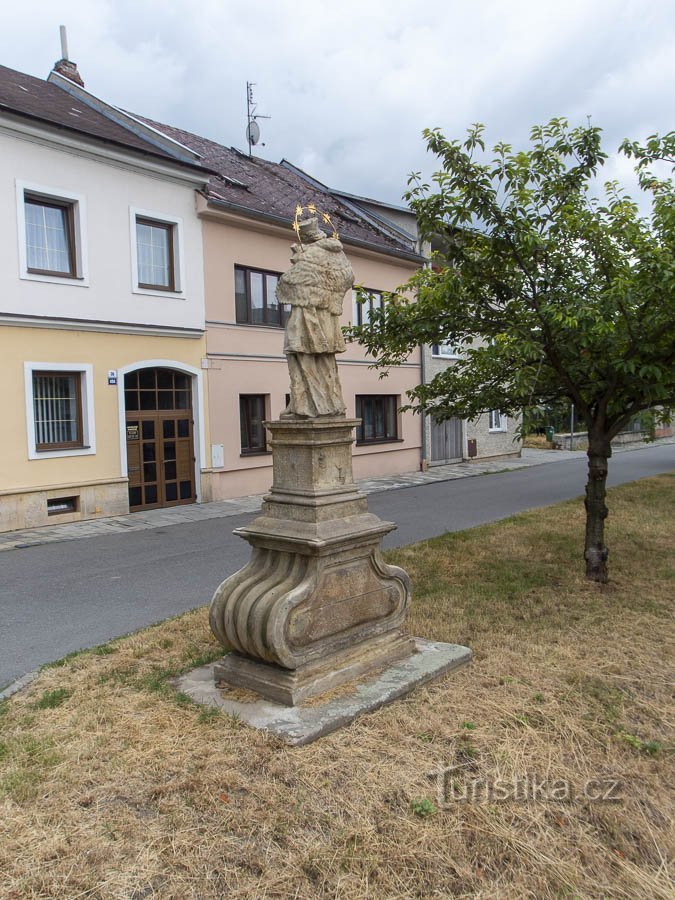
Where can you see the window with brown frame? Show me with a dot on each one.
(255, 293)
(155, 255)
(50, 236)
(57, 409)
(379, 419)
(251, 418)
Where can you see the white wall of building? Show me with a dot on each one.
(107, 191)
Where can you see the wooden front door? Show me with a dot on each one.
(446, 441)
(160, 441)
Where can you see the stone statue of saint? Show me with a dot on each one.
(315, 287)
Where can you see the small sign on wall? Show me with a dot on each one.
(132, 432)
(112, 376)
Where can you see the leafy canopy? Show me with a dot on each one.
(552, 292)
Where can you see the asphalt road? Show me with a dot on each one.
(60, 597)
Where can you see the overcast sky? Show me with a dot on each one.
(351, 84)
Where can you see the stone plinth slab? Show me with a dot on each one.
(292, 686)
(298, 725)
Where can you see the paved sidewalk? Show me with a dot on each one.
(179, 515)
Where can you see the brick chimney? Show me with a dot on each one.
(68, 69)
(65, 66)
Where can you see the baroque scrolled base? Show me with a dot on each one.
(316, 604)
(293, 606)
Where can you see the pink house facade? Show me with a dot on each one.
(247, 212)
(246, 361)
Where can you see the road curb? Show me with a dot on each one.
(15, 686)
(113, 525)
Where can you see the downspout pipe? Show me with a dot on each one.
(424, 464)
(423, 417)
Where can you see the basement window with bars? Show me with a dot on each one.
(57, 506)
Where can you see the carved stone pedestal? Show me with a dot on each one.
(316, 605)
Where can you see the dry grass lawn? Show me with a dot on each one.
(537, 442)
(112, 786)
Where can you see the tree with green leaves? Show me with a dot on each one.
(554, 293)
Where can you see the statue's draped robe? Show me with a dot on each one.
(315, 286)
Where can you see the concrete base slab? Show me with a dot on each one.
(298, 725)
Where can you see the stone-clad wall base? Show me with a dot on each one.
(28, 509)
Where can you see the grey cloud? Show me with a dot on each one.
(351, 85)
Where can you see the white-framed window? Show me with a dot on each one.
(496, 421)
(59, 409)
(361, 310)
(445, 349)
(52, 234)
(157, 266)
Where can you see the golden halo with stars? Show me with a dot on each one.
(311, 208)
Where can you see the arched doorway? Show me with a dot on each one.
(159, 438)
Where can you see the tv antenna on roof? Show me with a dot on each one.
(252, 128)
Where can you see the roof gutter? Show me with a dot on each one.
(379, 224)
(358, 199)
(285, 223)
(169, 161)
(125, 120)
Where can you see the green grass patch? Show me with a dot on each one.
(103, 649)
(651, 748)
(423, 807)
(53, 699)
(196, 656)
(26, 762)
(60, 663)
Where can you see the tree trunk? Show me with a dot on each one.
(595, 551)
